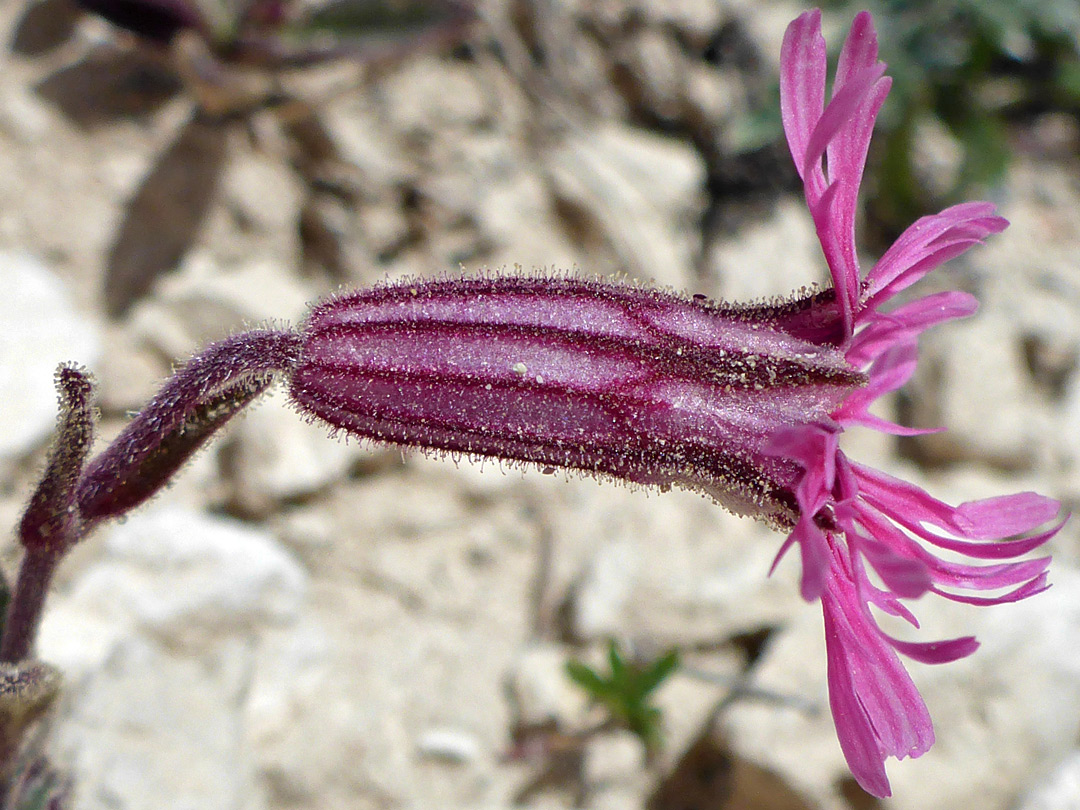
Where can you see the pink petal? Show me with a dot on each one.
(843, 112)
(936, 652)
(991, 577)
(812, 447)
(853, 727)
(815, 557)
(843, 129)
(1028, 589)
(991, 548)
(868, 420)
(836, 246)
(955, 574)
(926, 244)
(789, 541)
(876, 707)
(905, 577)
(1008, 515)
(904, 324)
(860, 49)
(993, 518)
(890, 604)
(890, 371)
(936, 255)
(846, 160)
(802, 87)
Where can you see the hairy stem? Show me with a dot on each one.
(24, 610)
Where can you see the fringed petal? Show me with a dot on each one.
(906, 577)
(877, 709)
(936, 652)
(802, 89)
(904, 324)
(928, 243)
(1007, 515)
(854, 729)
(814, 547)
(989, 519)
(1029, 588)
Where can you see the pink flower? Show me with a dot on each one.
(744, 403)
(855, 520)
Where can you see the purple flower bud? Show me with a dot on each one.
(50, 522)
(622, 381)
(205, 394)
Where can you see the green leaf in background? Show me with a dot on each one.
(1067, 80)
(625, 691)
(587, 679)
(655, 675)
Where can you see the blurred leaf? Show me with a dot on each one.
(618, 669)
(165, 215)
(1068, 80)
(760, 128)
(586, 678)
(986, 152)
(659, 672)
(44, 26)
(109, 85)
(624, 692)
(366, 31)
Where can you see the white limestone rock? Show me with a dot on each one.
(540, 689)
(160, 640)
(276, 454)
(642, 192)
(1060, 790)
(153, 728)
(177, 575)
(40, 328)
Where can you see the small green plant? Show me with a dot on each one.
(626, 691)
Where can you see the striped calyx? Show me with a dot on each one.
(621, 381)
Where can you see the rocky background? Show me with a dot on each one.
(308, 623)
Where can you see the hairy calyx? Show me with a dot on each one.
(607, 379)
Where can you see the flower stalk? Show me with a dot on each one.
(76, 494)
